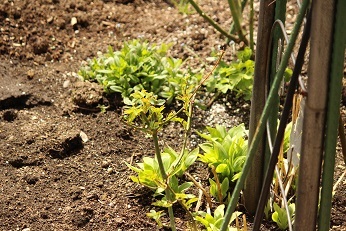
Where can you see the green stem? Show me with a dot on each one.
(212, 22)
(251, 25)
(236, 13)
(164, 177)
(266, 111)
(231, 30)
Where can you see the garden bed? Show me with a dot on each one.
(62, 160)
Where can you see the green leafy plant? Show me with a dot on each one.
(213, 223)
(161, 173)
(225, 152)
(135, 67)
(148, 172)
(280, 215)
(156, 216)
(183, 6)
(235, 77)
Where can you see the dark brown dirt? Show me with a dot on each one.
(62, 161)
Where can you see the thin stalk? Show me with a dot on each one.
(237, 16)
(231, 30)
(164, 177)
(251, 25)
(335, 83)
(262, 123)
(212, 22)
(217, 181)
(190, 215)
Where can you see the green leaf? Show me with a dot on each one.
(219, 212)
(184, 186)
(224, 187)
(223, 169)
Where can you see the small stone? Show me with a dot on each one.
(66, 84)
(105, 164)
(73, 21)
(30, 74)
(110, 170)
(83, 136)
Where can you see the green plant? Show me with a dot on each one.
(156, 216)
(235, 77)
(280, 215)
(148, 172)
(213, 223)
(145, 112)
(183, 6)
(135, 67)
(225, 152)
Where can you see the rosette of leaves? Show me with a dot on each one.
(135, 67)
(225, 152)
(213, 223)
(236, 77)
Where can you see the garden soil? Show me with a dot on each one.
(62, 160)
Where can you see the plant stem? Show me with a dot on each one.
(164, 177)
(251, 25)
(217, 181)
(212, 22)
(237, 16)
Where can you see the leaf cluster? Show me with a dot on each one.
(280, 215)
(148, 172)
(235, 77)
(135, 67)
(213, 223)
(225, 151)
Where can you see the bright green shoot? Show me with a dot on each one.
(225, 152)
(161, 173)
(234, 77)
(280, 215)
(137, 66)
(213, 223)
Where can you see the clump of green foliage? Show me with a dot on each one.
(224, 152)
(213, 223)
(236, 77)
(280, 215)
(137, 66)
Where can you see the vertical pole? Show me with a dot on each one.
(335, 85)
(314, 116)
(254, 179)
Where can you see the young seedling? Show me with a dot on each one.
(280, 215)
(145, 112)
(213, 223)
(225, 152)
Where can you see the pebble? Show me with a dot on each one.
(30, 74)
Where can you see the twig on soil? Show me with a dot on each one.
(198, 185)
(338, 182)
